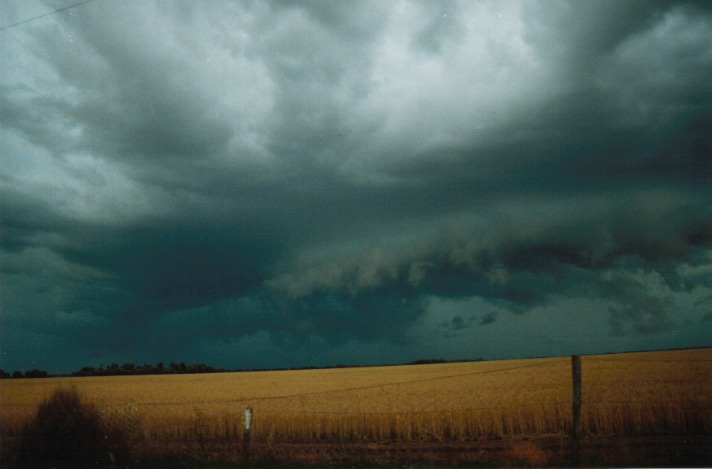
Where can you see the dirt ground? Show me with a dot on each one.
(658, 451)
(645, 451)
(640, 451)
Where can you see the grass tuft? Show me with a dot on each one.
(70, 432)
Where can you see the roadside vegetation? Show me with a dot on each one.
(69, 432)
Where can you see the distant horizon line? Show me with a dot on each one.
(135, 369)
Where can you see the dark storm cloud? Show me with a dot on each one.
(523, 261)
(178, 176)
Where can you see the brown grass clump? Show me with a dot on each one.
(527, 453)
(70, 432)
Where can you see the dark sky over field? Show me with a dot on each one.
(276, 184)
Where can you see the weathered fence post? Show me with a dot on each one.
(246, 435)
(576, 409)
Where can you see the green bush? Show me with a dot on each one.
(69, 432)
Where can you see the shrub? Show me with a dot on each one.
(69, 432)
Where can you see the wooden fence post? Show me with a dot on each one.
(576, 409)
(246, 435)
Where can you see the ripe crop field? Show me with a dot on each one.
(647, 393)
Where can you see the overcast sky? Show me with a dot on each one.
(276, 184)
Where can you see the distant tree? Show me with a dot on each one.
(4, 374)
(178, 367)
(35, 374)
(431, 361)
(200, 368)
(17, 374)
(87, 371)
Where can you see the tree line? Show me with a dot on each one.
(159, 368)
(115, 369)
(146, 369)
(19, 374)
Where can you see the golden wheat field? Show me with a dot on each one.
(633, 393)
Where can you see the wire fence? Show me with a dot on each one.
(276, 420)
(600, 416)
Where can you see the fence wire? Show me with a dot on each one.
(127, 414)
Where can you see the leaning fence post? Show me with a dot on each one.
(576, 409)
(246, 435)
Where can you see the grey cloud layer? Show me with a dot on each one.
(323, 170)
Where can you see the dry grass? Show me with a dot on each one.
(654, 392)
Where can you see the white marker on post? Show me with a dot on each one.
(248, 419)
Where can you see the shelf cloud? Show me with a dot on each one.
(281, 184)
